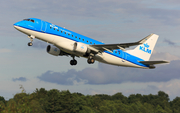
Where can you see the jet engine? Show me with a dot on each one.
(55, 51)
(81, 48)
(77, 47)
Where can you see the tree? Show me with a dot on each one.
(175, 105)
(120, 96)
(159, 110)
(2, 106)
(2, 99)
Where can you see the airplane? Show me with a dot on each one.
(68, 43)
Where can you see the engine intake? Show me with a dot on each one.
(53, 50)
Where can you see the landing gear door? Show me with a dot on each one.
(43, 26)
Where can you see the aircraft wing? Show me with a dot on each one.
(153, 62)
(122, 46)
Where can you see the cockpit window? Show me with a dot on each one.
(26, 19)
(31, 20)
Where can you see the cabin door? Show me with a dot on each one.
(43, 26)
(124, 57)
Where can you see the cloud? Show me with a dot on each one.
(163, 56)
(22, 79)
(93, 8)
(68, 78)
(170, 42)
(107, 74)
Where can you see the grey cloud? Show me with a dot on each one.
(169, 2)
(68, 78)
(169, 42)
(61, 11)
(164, 56)
(107, 74)
(23, 79)
(88, 8)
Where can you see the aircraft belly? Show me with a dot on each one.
(113, 60)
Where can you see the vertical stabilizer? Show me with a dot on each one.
(145, 49)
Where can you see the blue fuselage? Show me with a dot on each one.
(44, 27)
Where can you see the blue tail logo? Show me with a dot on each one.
(145, 48)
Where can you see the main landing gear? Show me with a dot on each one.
(73, 62)
(90, 60)
(31, 38)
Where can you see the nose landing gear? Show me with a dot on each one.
(31, 38)
(30, 44)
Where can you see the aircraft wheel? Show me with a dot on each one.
(90, 60)
(73, 62)
(30, 44)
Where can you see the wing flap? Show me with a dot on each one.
(153, 62)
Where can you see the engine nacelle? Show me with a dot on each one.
(81, 48)
(53, 50)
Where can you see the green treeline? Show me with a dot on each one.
(55, 101)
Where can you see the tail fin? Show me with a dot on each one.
(145, 49)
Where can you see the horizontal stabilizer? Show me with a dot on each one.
(153, 62)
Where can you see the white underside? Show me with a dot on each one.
(56, 40)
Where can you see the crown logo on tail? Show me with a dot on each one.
(146, 45)
(145, 48)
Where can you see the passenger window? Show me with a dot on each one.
(91, 42)
(79, 38)
(65, 32)
(72, 35)
(58, 30)
(76, 36)
(50, 27)
(119, 52)
(87, 41)
(54, 28)
(83, 39)
(61, 31)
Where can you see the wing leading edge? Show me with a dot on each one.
(122, 46)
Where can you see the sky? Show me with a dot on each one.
(108, 21)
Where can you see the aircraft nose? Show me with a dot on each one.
(17, 24)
